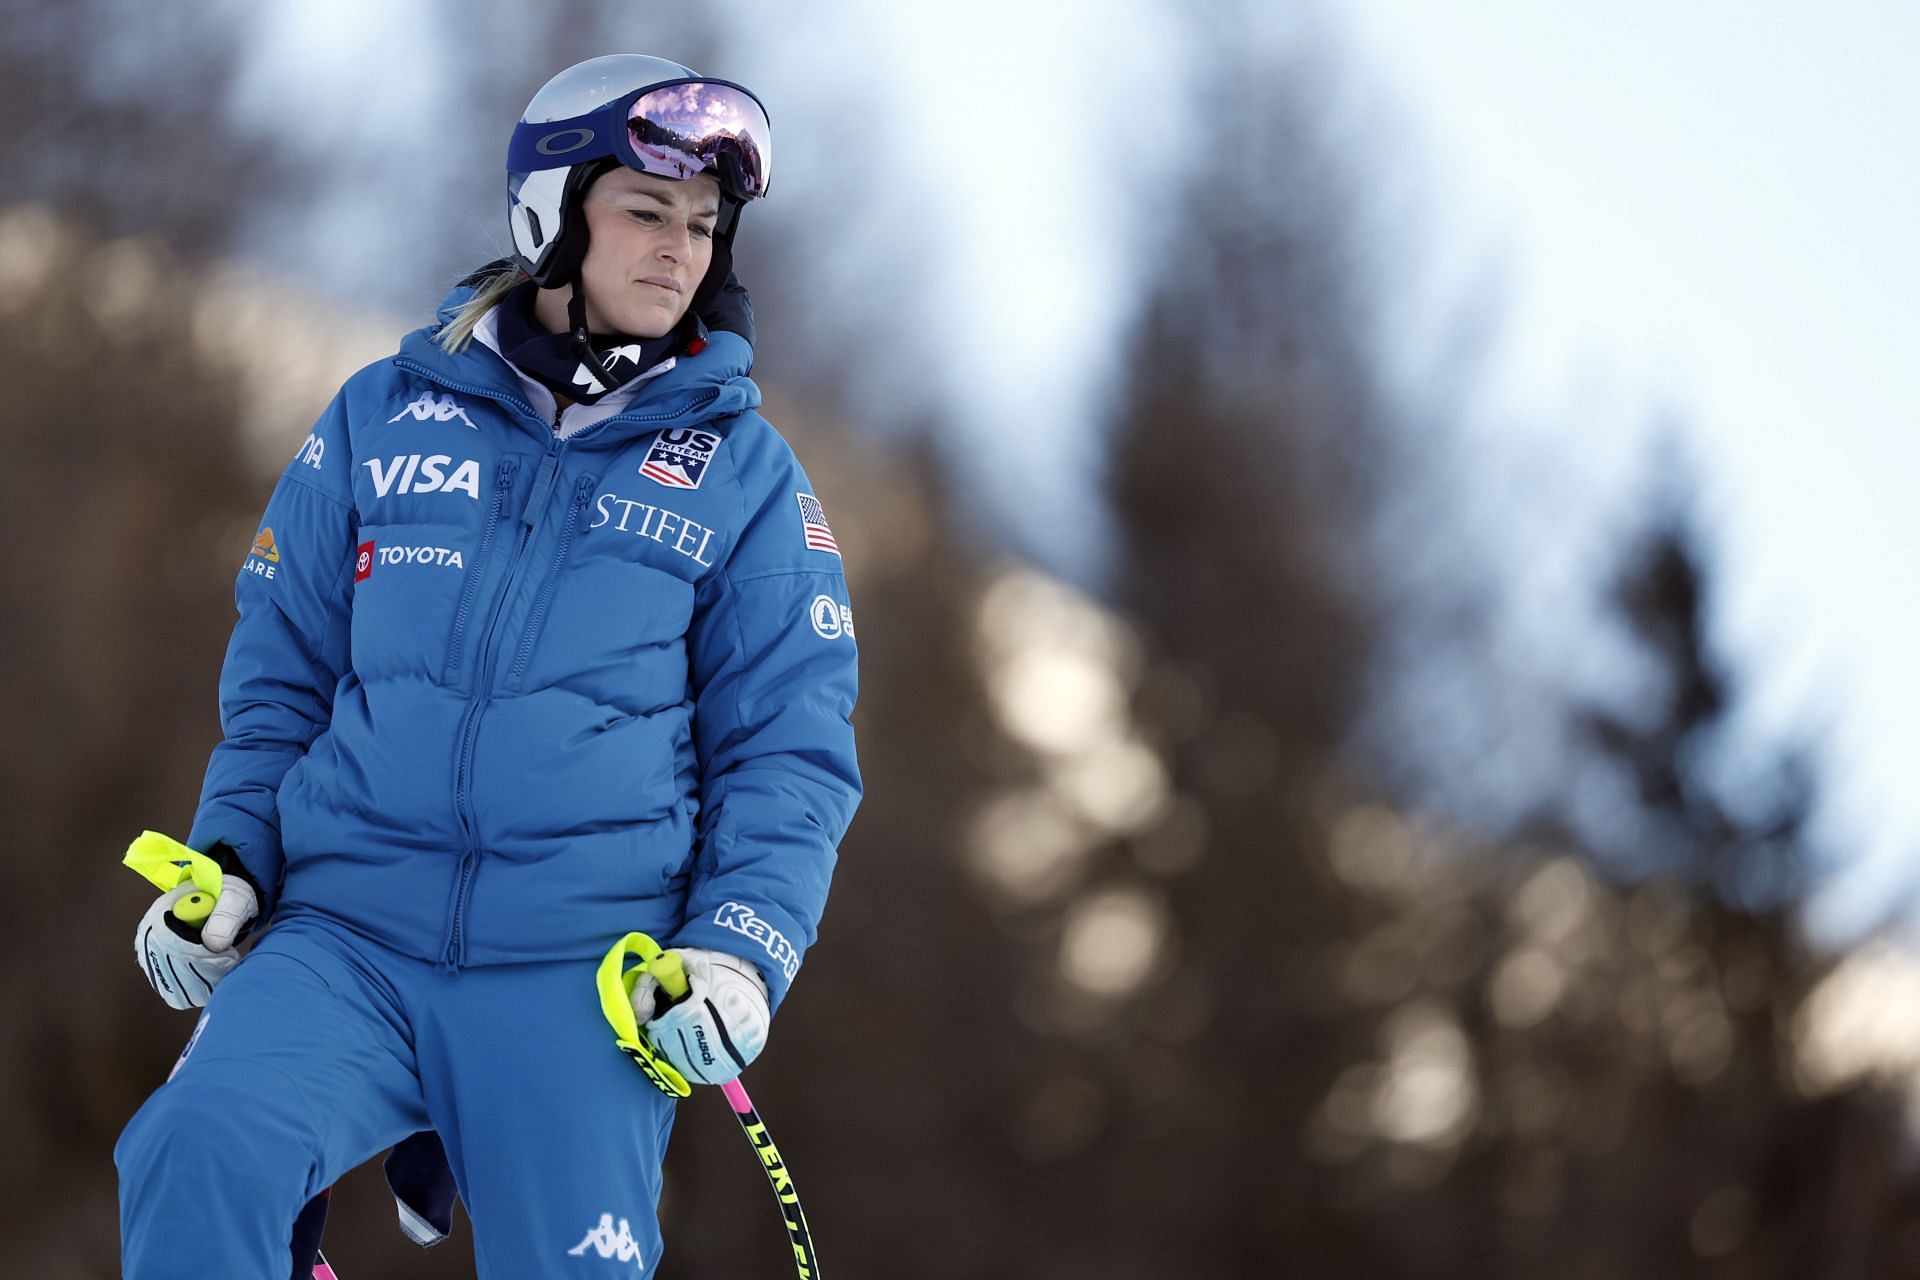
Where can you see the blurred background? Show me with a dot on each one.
(1378, 533)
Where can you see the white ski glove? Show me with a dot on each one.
(721, 1025)
(183, 963)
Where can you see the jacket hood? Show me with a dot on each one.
(698, 388)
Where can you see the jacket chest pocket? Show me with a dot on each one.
(611, 629)
(422, 548)
(550, 583)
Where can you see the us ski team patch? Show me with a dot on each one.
(679, 458)
(813, 523)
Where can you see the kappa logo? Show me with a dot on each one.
(740, 918)
(608, 1243)
(423, 473)
(431, 408)
(678, 459)
(312, 450)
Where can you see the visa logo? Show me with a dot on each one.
(418, 473)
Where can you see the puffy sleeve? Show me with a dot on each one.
(775, 674)
(287, 653)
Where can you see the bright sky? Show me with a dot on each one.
(1713, 208)
(1020, 233)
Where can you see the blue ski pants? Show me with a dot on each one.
(322, 1049)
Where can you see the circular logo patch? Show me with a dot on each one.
(825, 616)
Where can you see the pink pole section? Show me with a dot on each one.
(737, 1097)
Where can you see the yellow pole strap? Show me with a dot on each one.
(168, 864)
(616, 983)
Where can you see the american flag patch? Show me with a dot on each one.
(813, 522)
(679, 458)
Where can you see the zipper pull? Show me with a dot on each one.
(542, 486)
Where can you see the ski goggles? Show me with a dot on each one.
(672, 130)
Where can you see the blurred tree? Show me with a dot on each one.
(114, 113)
(895, 1059)
(1396, 1049)
(1576, 1071)
(1709, 1160)
(1242, 477)
(128, 505)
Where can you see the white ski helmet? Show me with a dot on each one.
(646, 113)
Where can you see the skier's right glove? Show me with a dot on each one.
(185, 962)
(711, 1033)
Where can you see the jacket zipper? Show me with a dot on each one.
(582, 497)
(456, 952)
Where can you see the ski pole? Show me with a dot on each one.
(167, 864)
(616, 994)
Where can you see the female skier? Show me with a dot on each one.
(543, 638)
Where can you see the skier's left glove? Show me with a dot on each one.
(184, 962)
(718, 1027)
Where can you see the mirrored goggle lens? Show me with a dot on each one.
(683, 129)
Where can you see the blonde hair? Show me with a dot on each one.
(458, 332)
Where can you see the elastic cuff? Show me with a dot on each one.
(230, 865)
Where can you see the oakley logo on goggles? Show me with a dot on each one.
(671, 130)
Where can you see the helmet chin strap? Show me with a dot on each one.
(619, 358)
(582, 340)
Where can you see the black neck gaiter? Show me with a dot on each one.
(550, 359)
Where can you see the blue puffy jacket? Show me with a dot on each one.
(496, 695)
